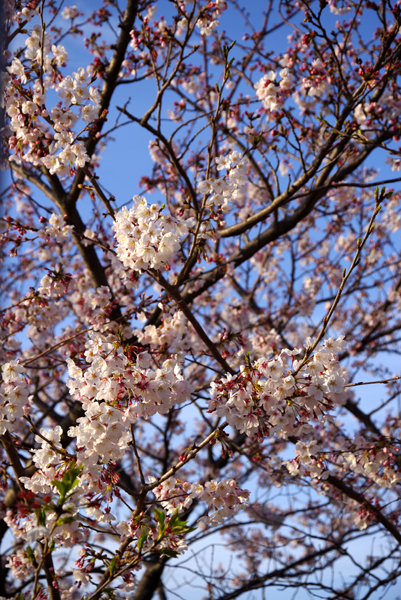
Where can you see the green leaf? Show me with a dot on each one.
(161, 519)
(171, 553)
(60, 486)
(183, 529)
(68, 482)
(41, 517)
(30, 554)
(142, 538)
(174, 520)
(176, 526)
(70, 477)
(112, 565)
(64, 520)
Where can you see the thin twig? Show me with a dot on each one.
(138, 462)
(345, 277)
(104, 199)
(372, 382)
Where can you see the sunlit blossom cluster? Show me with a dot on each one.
(377, 462)
(173, 332)
(208, 23)
(44, 136)
(223, 498)
(270, 92)
(146, 238)
(114, 392)
(223, 190)
(270, 397)
(20, 564)
(14, 397)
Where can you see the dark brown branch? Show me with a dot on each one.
(150, 579)
(55, 193)
(354, 495)
(175, 294)
(353, 408)
(110, 83)
(275, 230)
(257, 582)
(319, 189)
(48, 567)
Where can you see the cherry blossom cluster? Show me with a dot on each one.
(272, 94)
(146, 238)
(269, 398)
(173, 332)
(265, 342)
(62, 528)
(38, 315)
(14, 397)
(53, 285)
(47, 458)
(174, 494)
(208, 23)
(56, 282)
(313, 86)
(32, 123)
(114, 392)
(355, 514)
(92, 306)
(387, 107)
(159, 533)
(56, 229)
(230, 187)
(307, 461)
(374, 460)
(224, 498)
(339, 7)
(46, 454)
(41, 481)
(207, 27)
(21, 565)
(70, 12)
(360, 516)
(25, 14)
